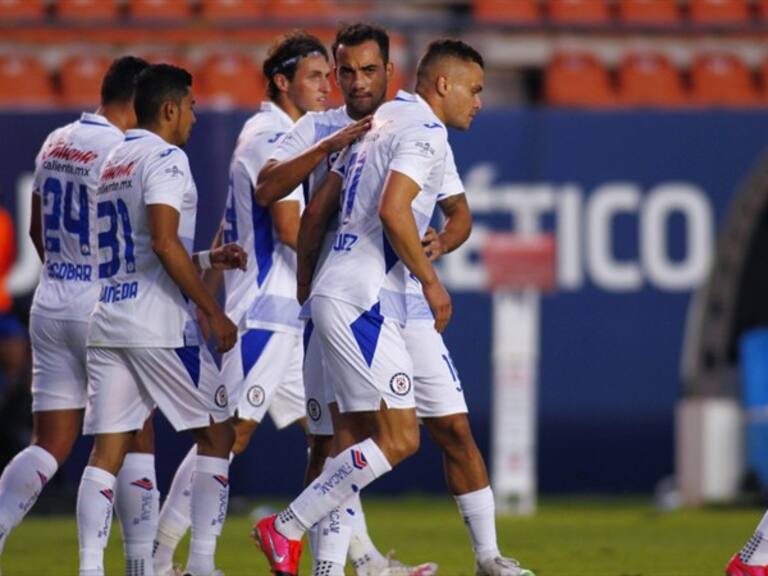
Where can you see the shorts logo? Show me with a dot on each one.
(358, 460)
(223, 480)
(43, 478)
(221, 396)
(256, 396)
(108, 494)
(144, 483)
(313, 409)
(400, 384)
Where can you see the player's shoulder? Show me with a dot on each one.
(409, 112)
(267, 126)
(329, 120)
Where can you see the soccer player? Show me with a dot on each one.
(63, 232)
(265, 364)
(144, 348)
(391, 181)
(752, 560)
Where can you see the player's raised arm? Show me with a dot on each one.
(314, 223)
(279, 178)
(400, 226)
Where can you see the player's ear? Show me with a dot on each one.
(441, 85)
(390, 70)
(282, 82)
(169, 110)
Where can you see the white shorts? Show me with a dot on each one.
(58, 363)
(436, 382)
(125, 385)
(366, 353)
(263, 371)
(318, 386)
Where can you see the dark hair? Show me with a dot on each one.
(156, 85)
(119, 82)
(284, 56)
(447, 48)
(356, 34)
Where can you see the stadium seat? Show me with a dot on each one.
(80, 78)
(12, 9)
(87, 9)
(722, 80)
(644, 12)
(160, 9)
(762, 9)
(578, 79)
(718, 11)
(520, 11)
(230, 80)
(231, 9)
(579, 11)
(24, 82)
(300, 8)
(650, 79)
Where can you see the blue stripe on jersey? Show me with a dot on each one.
(390, 256)
(129, 138)
(190, 357)
(366, 330)
(92, 123)
(308, 329)
(263, 242)
(252, 346)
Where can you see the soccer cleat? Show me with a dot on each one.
(282, 554)
(737, 568)
(394, 567)
(500, 566)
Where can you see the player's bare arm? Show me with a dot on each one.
(36, 226)
(400, 226)
(314, 223)
(278, 179)
(286, 218)
(163, 223)
(458, 227)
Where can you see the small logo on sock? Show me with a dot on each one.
(223, 480)
(144, 483)
(108, 494)
(43, 478)
(358, 460)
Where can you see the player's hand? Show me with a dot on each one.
(224, 330)
(432, 244)
(439, 302)
(302, 292)
(228, 257)
(345, 136)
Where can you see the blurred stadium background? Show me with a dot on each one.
(631, 130)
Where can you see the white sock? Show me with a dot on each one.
(362, 550)
(210, 496)
(137, 504)
(755, 551)
(176, 515)
(21, 483)
(94, 518)
(478, 510)
(342, 477)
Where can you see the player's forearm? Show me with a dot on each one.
(278, 179)
(36, 227)
(400, 227)
(213, 278)
(310, 242)
(456, 231)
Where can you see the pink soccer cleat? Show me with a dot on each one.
(282, 554)
(737, 568)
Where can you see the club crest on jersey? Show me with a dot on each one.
(314, 410)
(358, 460)
(256, 396)
(144, 483)
(223, 480)
(108, 494)
(400, 384)
(221, 397)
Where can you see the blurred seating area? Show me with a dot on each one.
(584, 53)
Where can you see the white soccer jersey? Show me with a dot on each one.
(139, 305)
(66, 175)
(266, 293)
(408, 138)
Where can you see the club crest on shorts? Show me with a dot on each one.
(358, 459)
(256, 396)
(221, 396)
(400, 384)
(313, 409)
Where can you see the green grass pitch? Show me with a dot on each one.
(566, 538)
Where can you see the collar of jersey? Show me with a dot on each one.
(136, 133)
(269, 106)
(94, 119)
(403, 96)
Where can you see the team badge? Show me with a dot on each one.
(358, 460)
(144, 483)
(256, 396)
(400, 384)
(313, 409)
(221, 396)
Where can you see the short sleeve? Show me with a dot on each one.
(452, 184)
(417, 150)
(167, 178)
(300, 137)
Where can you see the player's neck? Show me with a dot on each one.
(118, 115)
(434, 101)
(165, 131)
(286, 105)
